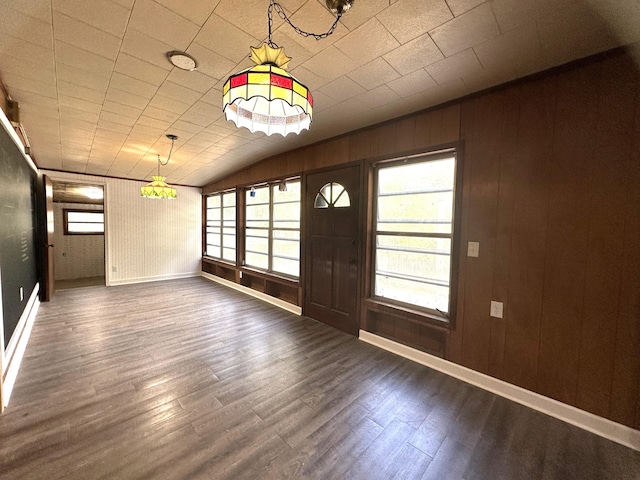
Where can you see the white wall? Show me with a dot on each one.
(146, 239)
(76, 256)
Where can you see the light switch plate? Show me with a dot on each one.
(473, 249)
(496, 309)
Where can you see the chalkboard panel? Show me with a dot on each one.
(18, 265)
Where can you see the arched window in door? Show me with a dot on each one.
(334, 195)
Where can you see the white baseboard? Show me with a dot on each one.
(588, 421)
(290, 307)
(12, 357)
(155, 278)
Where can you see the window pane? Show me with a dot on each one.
(213, 238)
(229, 254)
(420, 212)
(213, 201)
(291, 195)
(257, 245)
(286, 211)
(286, 248)
(258, 195)
(229, 215)
(85, 227)
(85, 217)
(257, 260)
(213, 251)
(229, 199)
(402, 258)
(286, 266)
(415, 293)
(417, 177)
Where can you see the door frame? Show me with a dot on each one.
(360, 237)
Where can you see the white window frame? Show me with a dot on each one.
(440, 314)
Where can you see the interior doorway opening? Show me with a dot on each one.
(79, 235)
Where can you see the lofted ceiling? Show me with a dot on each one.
(97, 94)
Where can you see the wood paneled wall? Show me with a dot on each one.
(551, 191)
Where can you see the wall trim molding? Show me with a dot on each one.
(290, 307)
(606, 428)
(12, 356)
(156, 278)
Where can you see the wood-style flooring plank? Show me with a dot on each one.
(187, 379)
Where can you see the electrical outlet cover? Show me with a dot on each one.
(496, 309)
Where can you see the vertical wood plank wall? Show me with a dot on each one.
(551, 190)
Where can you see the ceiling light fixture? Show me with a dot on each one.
(265, 98)
(158, 188)
(182, 60)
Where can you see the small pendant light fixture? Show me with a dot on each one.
(158, 188)
(265, 98)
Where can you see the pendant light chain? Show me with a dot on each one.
(281, 13)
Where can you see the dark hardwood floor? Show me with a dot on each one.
(187, 379)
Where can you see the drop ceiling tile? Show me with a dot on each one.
(374, 74)
(454, 67)
(69, 112)
(186, 127)
(75, 57)
(79, 104)
(29, 84)
(82, 78)
(178, 92)
(310, 79)
(25, 27)
(113, 127)
(367, 42)
(132, 85)
(170, 104)
(574, 32)
(160, 114)
(74, 32)
(72, 90)
(252, 16)
(197, 81)
(127, 110)
(416, 82)
(414, 55)
(342, 89)
(408, 19)
(211, 63)
(467, 30)
(623, 14)
(106, 136)
(227, 40)
(511, 51)
(121, 119)
(331, 63)
(322, 102)
(28, 69)
(198, 11)
(458, 7)
(142, 46)
(514, 13)
(162, 24)
(197, 119)
(159, 125)
(103, 14)
(126, 98)
(40, 9)
(20, 49)
(362, 12)
(46, 113)
(141, 70)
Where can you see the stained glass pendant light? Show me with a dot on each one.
(266, 98)
(158, 188)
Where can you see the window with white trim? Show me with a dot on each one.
(83, 222)
(413, 231)
(220, 226)
(272, 233)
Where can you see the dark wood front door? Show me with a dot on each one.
(49, 280)
(332, 259)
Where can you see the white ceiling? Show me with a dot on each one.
(97, 94)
